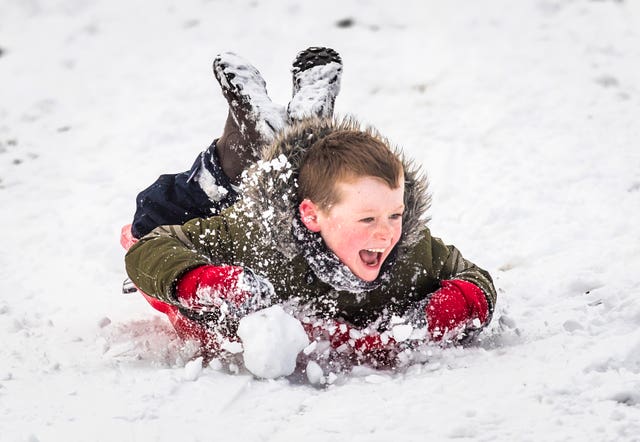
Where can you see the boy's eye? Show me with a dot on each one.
(367, 220)
(396, 216)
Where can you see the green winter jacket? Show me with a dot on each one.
(259, 232)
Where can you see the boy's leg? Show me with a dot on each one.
(316, 83)
(253, 118)
(208, 187)
(202, 191)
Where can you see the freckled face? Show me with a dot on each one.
(365, 225)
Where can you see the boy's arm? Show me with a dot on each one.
(159, 259)
(450, 264)
(466, 299)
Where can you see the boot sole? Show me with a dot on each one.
(316, 83)
(315, 56)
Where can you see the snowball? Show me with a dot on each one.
(232, 347)
(272, 340)
(310, 348)
(315, 375)
(402, 332)
(192, 369)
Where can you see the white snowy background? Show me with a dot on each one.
(526, 115)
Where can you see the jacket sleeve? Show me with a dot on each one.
(156, 262)
(448, 263)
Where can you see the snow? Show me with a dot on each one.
(525, 115)
(272, 340)
(253, 87)
(402, 332)
(314, 372)
(209, 185)
(192, 369)
(316, 85)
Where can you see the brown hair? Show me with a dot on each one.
(345, 155)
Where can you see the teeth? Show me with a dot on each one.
(375, 250)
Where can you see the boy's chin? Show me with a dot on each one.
(367, 274)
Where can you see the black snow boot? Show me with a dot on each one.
(316, 83)
(253, 118)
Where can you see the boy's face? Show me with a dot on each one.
(363, 227)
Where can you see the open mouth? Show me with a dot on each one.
(371, 257)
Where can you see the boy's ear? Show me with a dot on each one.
(309, 215)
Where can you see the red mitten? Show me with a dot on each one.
(229, 289)
(209, 285)
(456, 304)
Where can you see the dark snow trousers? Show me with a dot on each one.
(202, 191)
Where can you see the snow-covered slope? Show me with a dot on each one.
(526, 115)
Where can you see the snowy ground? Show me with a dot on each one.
(526, 115)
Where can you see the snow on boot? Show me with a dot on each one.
(316, 83)
(253, 118)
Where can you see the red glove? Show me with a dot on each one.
(223, 293)
(209, 286)
(455, 305)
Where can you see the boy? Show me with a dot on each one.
(328, 224)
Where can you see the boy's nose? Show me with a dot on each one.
(384, 230)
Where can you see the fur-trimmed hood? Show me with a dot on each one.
(270, 187)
